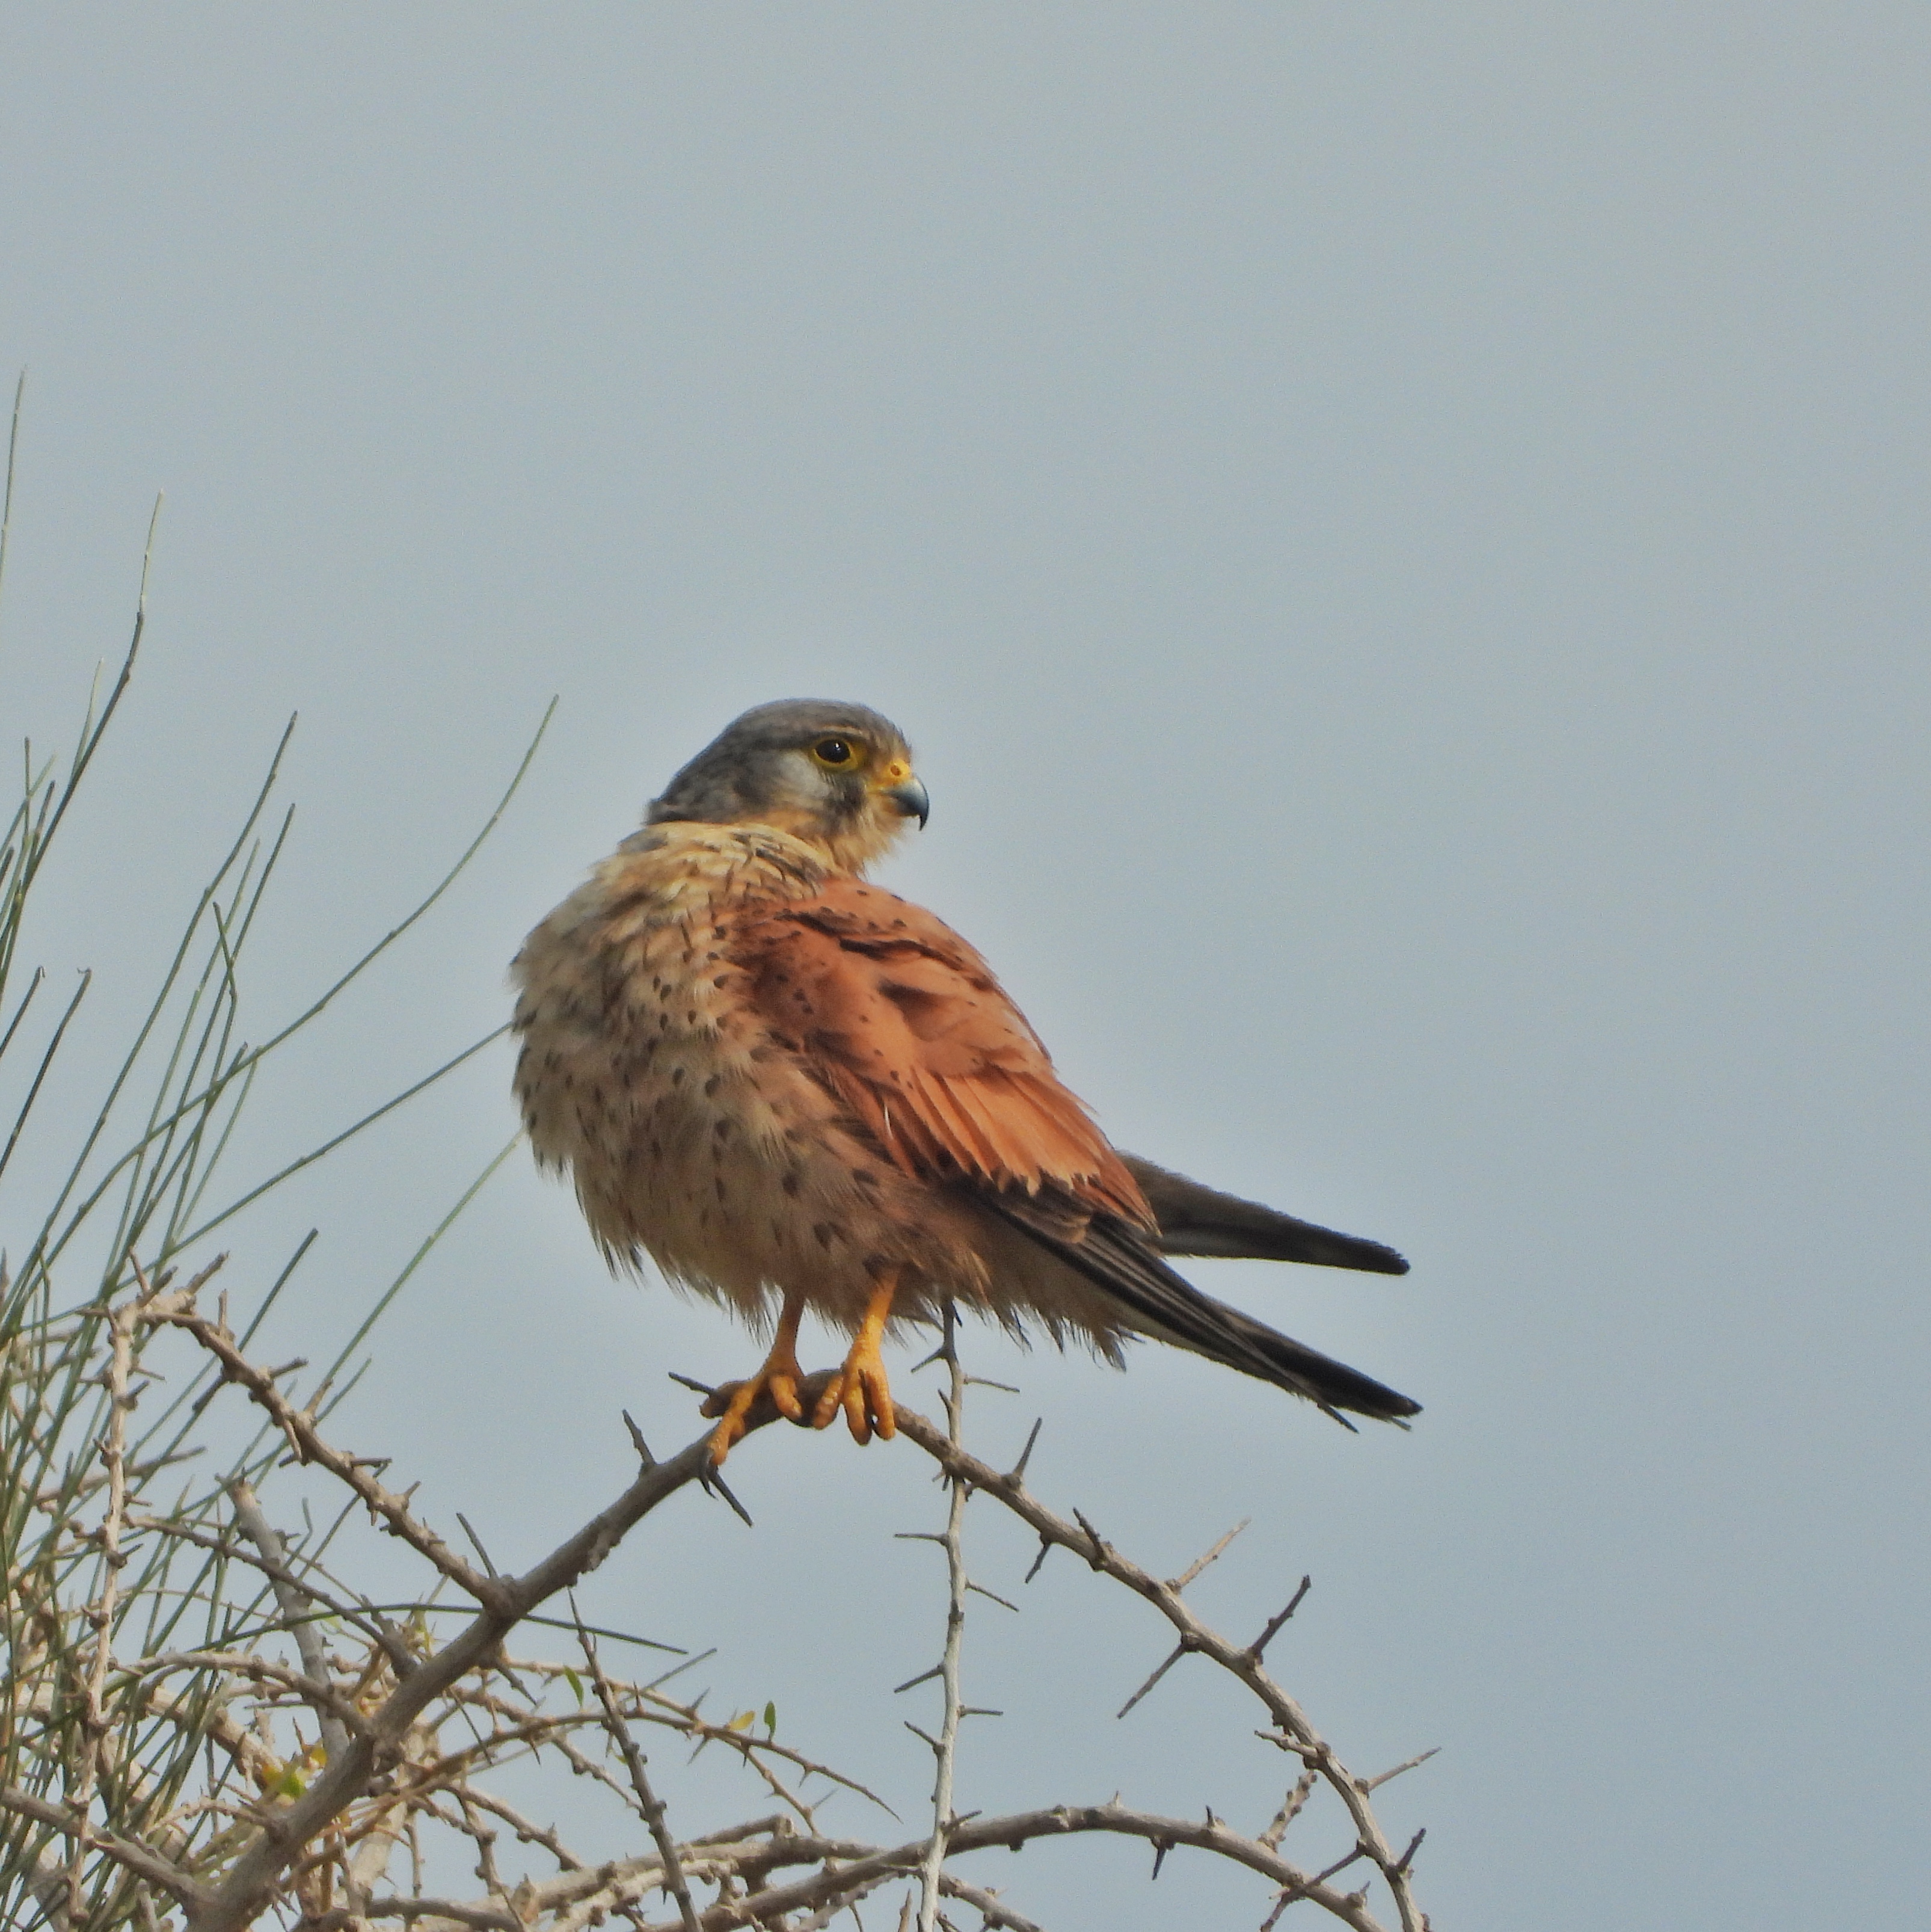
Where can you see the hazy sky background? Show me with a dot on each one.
(1399, 536)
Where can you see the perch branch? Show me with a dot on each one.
(504, 1602)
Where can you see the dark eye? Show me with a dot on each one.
(836, 753)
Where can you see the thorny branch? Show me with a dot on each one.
(1292, 1729)
(945, 1749)
(275, 1826)
(648, 1801)
(141, 1860)
(100, 1613)
(298, 1609)
(504, 1602)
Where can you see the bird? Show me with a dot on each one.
(791, 1089)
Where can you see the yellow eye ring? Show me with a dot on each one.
(835, 755)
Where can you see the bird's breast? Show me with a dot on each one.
(645, 1070)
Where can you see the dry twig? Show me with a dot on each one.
(1292, 1729)
(321, 1844)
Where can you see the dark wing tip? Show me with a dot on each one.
(1197, 1220)
(1118, 1260)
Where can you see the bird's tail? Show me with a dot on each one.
(1160, 1303)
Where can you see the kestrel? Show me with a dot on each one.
(780, 1082)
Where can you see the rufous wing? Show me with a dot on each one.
(898, 1015)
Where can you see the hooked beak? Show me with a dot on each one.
(909, 801)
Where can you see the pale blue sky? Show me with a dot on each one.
(1399, 536)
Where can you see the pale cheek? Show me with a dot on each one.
(800, 787)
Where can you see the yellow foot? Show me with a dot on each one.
(860, 1388)
(778, 1378)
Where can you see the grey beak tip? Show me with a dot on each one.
(912, 801)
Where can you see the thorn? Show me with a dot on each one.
(986, 1382)
(1161, 1846)
(1316, 1753)
(1045, 1548)
(715, 1483)
(981, 1590)
(1179, 1583)
(476, 1544)
(1017, 1473)
(1179, 1650)
(1339, 1865)
(916, 1536)
(1290, 1895)
(678, 1669)
(691, 1382)
(1364, 1785)
(938, 1355)
(1266, 1636)
(932, 1740)
(1414, 1846)
(924, 1677)
(1098, 1558)
(637, 1442)
(979, 1710)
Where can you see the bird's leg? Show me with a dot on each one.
(778, 1378)
(859, 1388)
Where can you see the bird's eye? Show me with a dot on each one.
(835, 753)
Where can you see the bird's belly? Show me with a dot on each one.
(702, 1183)
(733, 1179)
(696, 1138)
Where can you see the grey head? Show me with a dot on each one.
(836, 774)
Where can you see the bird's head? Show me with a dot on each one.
(837, 776)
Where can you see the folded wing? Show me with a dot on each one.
(905, 1023)
(902, 1020)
